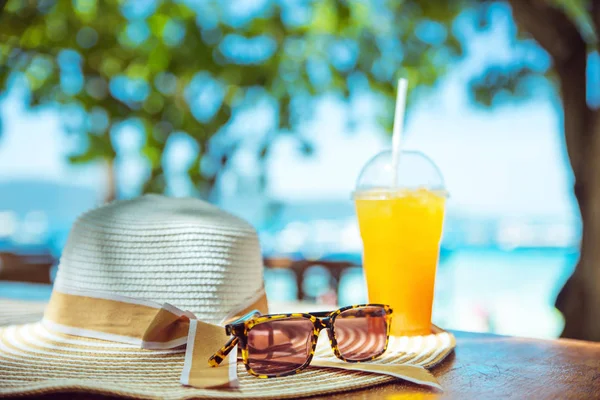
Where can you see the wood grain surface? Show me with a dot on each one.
(489, 367)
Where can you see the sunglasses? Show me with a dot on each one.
(284, 344)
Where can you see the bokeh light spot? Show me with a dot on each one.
(173, 33)
(204, 94)
(133, 9)
(85, 6)
(242, 50)
(87, 37)
(166, 83)
(98, 120)
(96, 87)
(137, 32)
(129, 90)
(431, 32)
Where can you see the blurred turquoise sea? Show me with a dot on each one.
(499, 275)
(477, 289)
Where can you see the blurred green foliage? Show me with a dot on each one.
(512, 80)
(153, 64)
(136, 61)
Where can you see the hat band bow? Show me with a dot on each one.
(149, 325)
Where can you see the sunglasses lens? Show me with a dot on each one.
(361, 333)
(279, 346)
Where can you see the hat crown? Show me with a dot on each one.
(181, 251)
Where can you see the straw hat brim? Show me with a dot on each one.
(35, 360)
(13, 312)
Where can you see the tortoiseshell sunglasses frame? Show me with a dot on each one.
(239, 329)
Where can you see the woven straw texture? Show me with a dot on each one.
(185, 252)
(34, 360)
(20, 312)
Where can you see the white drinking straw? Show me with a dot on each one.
(398, 127)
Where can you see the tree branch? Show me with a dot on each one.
(550, 27)
(559, 36)
(596, 17)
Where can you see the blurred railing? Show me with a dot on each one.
(35, 268)
(291, 280)
(26, 267)
(300, 267)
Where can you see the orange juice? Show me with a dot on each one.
(401, 231)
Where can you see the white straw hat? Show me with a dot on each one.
(185, 252)
(196, 259)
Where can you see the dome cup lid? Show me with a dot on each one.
(414, 171)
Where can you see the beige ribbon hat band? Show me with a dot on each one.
(116, 318)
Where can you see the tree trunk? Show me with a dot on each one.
(111, 182)
(579, 299)
(551, 27)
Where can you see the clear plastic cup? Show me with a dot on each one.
(400, 218)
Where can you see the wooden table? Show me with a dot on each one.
(488, 367)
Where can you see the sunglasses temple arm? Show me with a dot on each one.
(245, 318)
(216, 359)
(220, 355)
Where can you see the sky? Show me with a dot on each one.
(509, 160)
